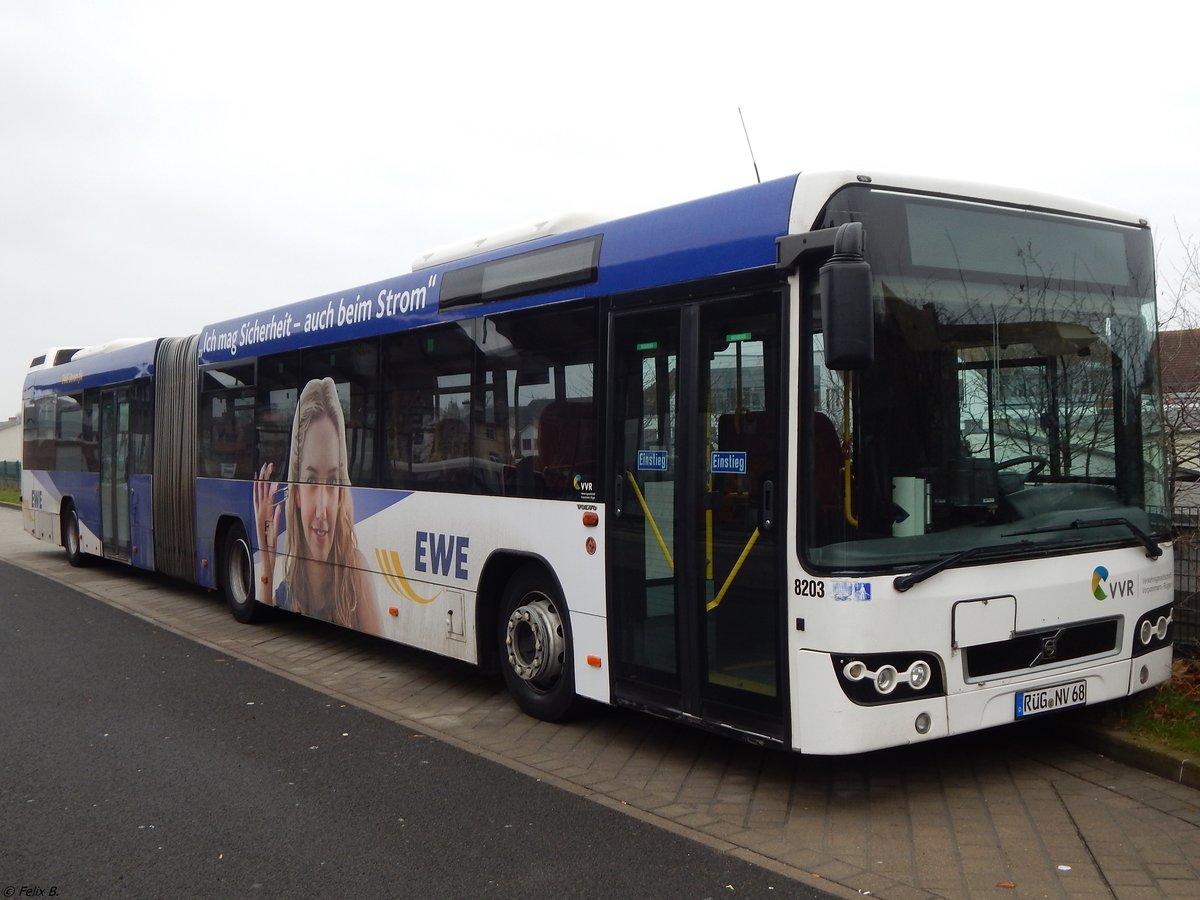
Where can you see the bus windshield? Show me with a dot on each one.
(1013, 402)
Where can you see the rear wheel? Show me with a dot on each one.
(535, 646)
(237, 577)
(70, 536)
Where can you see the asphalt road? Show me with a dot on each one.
(134, 762)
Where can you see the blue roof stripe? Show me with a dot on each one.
(727, 233)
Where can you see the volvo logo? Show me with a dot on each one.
(1049, 645)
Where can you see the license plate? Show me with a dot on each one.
(1049, 699)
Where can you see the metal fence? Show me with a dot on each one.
(1187, 581)
(10, 475)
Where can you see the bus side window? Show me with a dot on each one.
(426, 393)
(354, 368)
(542, 370)
(278, 388)
(567, 440)
(226, 421)
(69, 434)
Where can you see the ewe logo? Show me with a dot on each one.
(1100, 581)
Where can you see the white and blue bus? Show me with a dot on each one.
(832, 463)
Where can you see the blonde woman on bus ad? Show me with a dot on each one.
(312, 530)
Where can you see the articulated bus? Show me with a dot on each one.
(831, 463)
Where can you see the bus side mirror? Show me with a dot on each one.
(846, 312)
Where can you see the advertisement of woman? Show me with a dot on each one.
(324, 574)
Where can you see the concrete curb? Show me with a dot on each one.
(1129, 751)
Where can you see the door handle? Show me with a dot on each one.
(618, 496)
(768, 505)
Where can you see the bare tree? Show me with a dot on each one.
(1179, 356)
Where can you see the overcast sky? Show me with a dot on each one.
(164, 165)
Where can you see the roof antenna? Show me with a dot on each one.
(757, 177)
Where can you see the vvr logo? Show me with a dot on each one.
(1100, 581)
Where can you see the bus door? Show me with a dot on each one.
(114, 472)
(695, 569)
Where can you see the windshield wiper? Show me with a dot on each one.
(903, 582)
(1153, 551)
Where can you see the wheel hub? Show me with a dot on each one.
(535, 642)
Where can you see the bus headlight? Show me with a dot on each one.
(918, 675)
(868, 678)
(1153, 631)
(885, 679)
(855, 671)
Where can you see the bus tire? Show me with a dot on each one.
(535, 645)
(70, 537)
(237, 576)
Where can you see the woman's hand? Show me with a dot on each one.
(267, 516)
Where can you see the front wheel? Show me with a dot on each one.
(237, 577)
(535, 646)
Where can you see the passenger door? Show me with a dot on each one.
(695, 414)
(114, 473)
